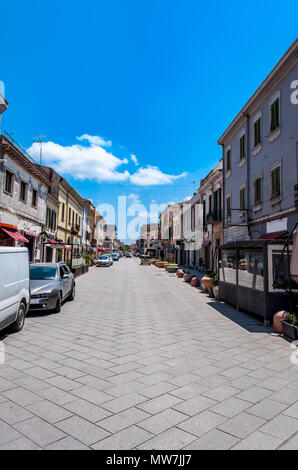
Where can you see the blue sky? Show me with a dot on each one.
(160, 80)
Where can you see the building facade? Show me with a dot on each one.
(88, 224)
(260, 158)
(110, 237)
(23, 198)
(210, 192)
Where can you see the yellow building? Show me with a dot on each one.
(70, 214)
(69, 226)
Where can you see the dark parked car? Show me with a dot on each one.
(50, 284)
(115, 257)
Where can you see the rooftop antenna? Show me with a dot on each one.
(39, 140)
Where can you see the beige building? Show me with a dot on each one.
(69, 222)
(70, 214)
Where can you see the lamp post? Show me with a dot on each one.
(39, 140)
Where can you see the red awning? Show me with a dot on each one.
(51, 241)
(31, 234)
(101, 249)
(16, 236)
(273, 235)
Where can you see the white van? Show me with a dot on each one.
(14, 287)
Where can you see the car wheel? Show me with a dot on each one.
(73, 292)
(18, 324)
(58, 304)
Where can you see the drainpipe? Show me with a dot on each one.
(223, 212)
(248, 176)
(296, 185)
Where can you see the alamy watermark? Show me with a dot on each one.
(162, 222)
(294, 355)
(2, 353)
(294, 94)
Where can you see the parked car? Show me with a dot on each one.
(115, 257)
(50, 284)
(104, 260)
(14, 287)
(128, 254)
(110, 256)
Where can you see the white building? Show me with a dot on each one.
(23, 196)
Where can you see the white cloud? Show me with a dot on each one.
(134, 159)
(187, 198)
(134, 198)
(152, 175)
(95, 140)
(92, 162)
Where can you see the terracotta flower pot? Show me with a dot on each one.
(207, 283)
(277, 325)
(166, 266)
(180, 273)
(160, 264)
(195, 282)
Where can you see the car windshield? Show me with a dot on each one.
(114, 256)
(104, 257)
(43, 272)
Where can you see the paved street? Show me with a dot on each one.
(142, 360)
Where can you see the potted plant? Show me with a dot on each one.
(195, 282)
(215, 287)
(172, 268)
(180, 273)
(187, 276)
(207, 282)
(210, 293)
(289, 326)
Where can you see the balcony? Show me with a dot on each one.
(75, 229)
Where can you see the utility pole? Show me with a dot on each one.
(39, 140)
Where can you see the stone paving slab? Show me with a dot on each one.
(142, 360)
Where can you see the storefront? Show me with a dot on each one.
(254, 277)
(9, 236)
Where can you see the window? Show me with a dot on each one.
(34, 198)
(275, 118)
(228, 160)
(257, 132)
(258, 191)
(275, 182)
(204, 213)
(63, 211)
(242, 147)
(217, 204)
(242, 198)
(9, 182)
(251, 268)
(229, 207)
(228, 265)
(69, 216)
(23, 191)
(210, 205)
